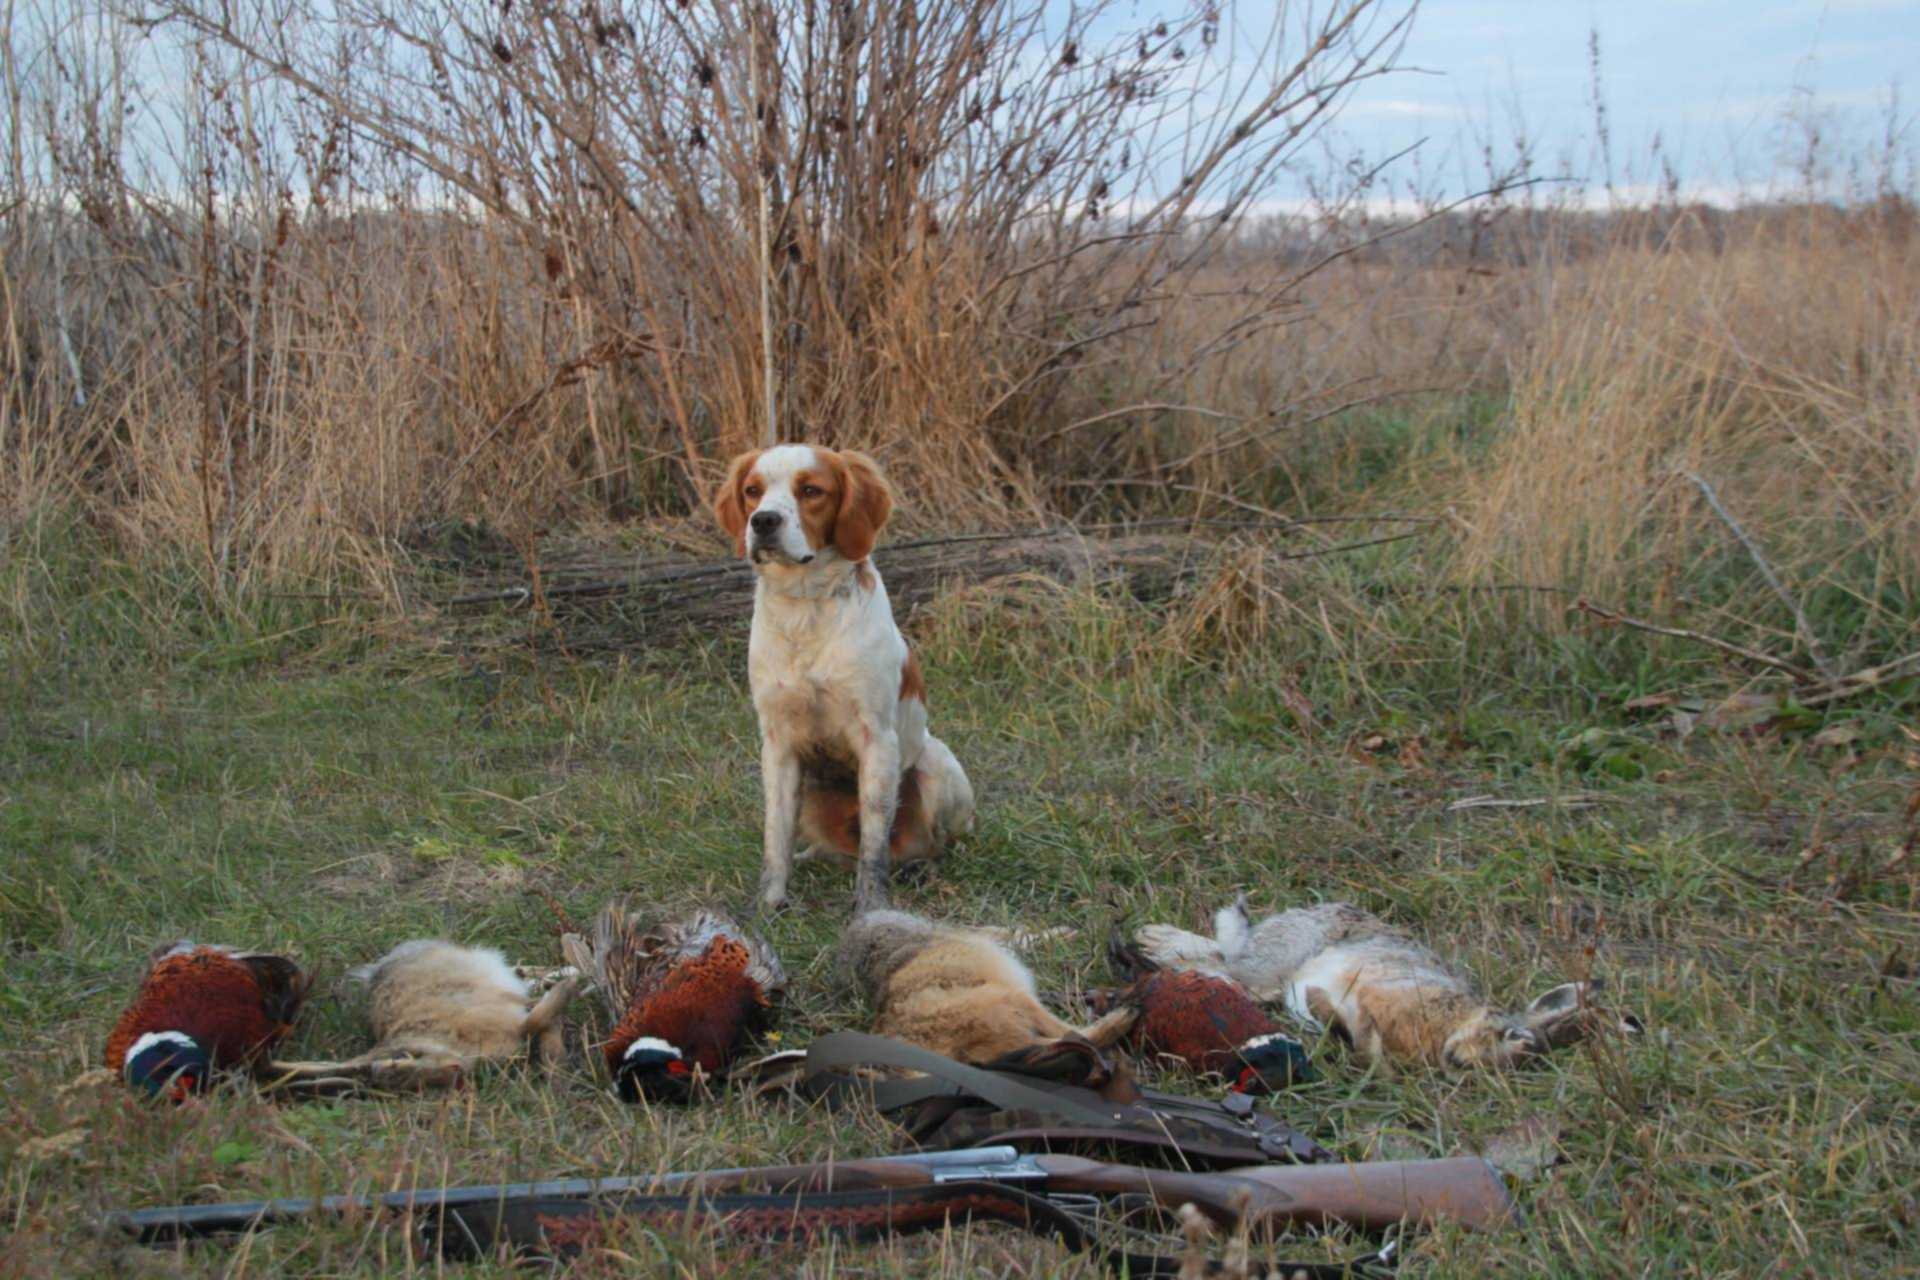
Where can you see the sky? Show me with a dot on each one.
(1728, 87)
(1720, 83)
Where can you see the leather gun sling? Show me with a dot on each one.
(1082, 1115)
(943, 1078)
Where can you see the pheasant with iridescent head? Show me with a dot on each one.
(686, 996)
(1206, 1020)
(203, 1010)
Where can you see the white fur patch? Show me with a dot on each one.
(1230, 929)
(646, 1043)
(154, 1038)
(422, 957)
(779, 468)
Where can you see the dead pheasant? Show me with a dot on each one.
(685, 996)
(1209, 1022)
(202, 1010)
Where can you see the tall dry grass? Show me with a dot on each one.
(1780, 366)
(333, 289)
(367, 265)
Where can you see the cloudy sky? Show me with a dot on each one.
(1717, 81)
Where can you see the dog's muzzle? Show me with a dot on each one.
(764, 544)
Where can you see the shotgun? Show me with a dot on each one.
(1266, 1199)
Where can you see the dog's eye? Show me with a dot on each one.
(752, 491)
(811, 491)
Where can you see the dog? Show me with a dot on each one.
(958, 992)
(1336, 966)
(845, 757)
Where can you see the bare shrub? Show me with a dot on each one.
(364, 264)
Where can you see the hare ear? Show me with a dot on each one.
(730, 505)
(1562, 1000)
(866, 500)
(1565, 1015)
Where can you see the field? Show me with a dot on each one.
(342, 782)
(1602, 516)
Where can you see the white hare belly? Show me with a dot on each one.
(1331, 973)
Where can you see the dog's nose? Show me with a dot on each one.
(765, 522)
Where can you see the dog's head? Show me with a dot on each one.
(795, 504)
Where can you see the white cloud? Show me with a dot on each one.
(1402, 109)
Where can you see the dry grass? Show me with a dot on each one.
(361, 310)
(413, 381)
(256, 422)
(1784, 367)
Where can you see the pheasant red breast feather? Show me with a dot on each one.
(237, 1005)
(1198, 1018)
(1207, 1020)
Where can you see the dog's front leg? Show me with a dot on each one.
(879, 794)
(780, 779)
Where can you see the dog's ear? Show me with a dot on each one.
(730, 505)
(866, 501)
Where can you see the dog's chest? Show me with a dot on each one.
(825, 670)
(797, 707)
(809, 683)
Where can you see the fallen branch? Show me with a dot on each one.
(1064, 535)
(1351, 546)
(1799, 673)
(1801, 627)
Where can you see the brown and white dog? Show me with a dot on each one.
(845, 756)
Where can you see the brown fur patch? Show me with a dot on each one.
(951, 998)
(830, 818)
(1391, 1020)
(912, 685)
(866, 500)
(731, 506)
(820, 509)
(960, 996)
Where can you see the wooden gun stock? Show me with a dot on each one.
(1367, 1197)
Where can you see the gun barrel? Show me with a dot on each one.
(173, 1222)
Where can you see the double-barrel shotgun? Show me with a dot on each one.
(889, 1193)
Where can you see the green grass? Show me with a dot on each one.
(317, 783)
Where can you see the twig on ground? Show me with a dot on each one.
(1351, 546)
(1861, 681)
(1575, 800)
(562, 919)
(1799, 673)
(1802, 628)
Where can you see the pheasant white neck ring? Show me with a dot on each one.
(154, 1039)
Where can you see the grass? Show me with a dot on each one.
(332, 785)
